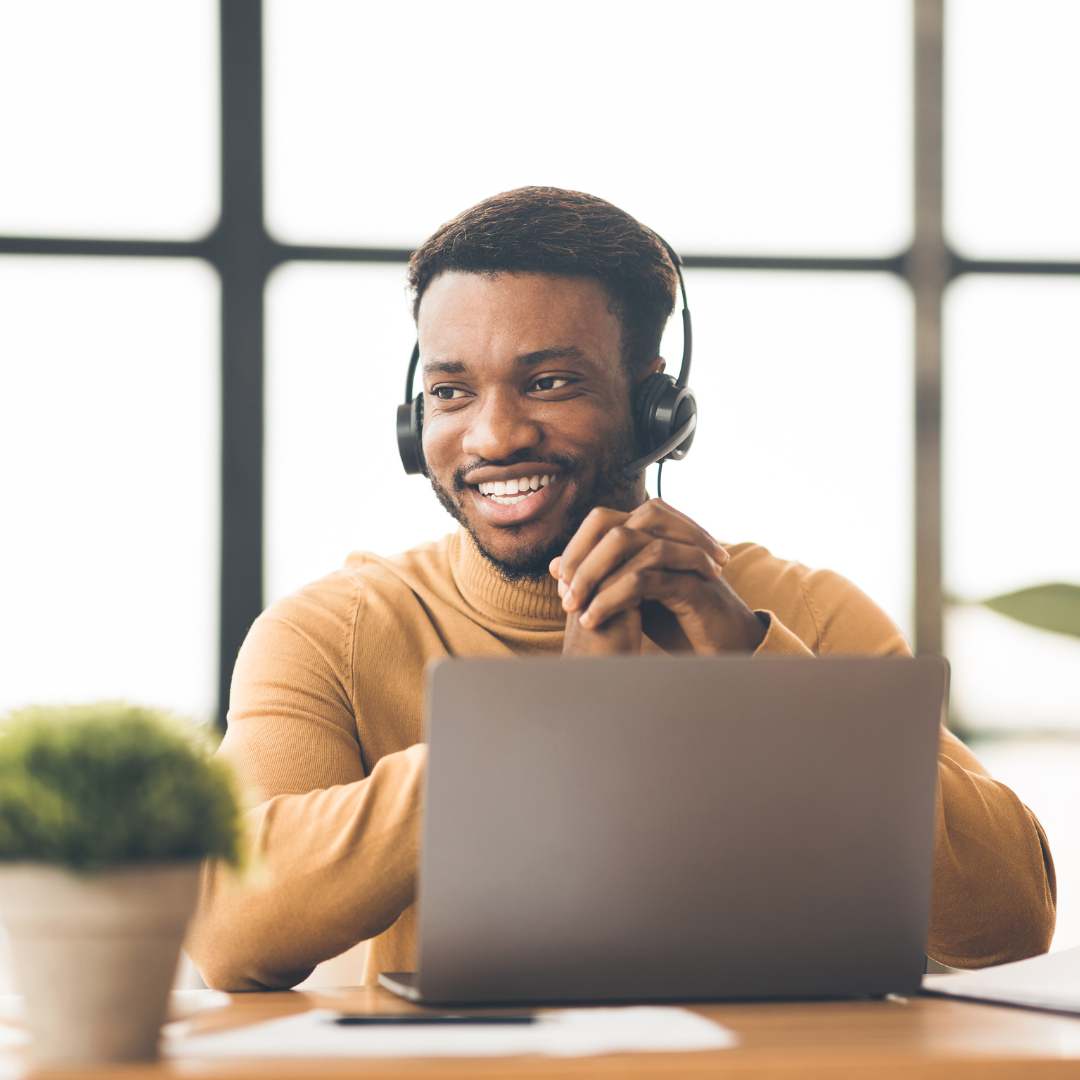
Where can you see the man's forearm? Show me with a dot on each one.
(330, 868)
(994, 892)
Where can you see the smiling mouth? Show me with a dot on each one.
(512, 492)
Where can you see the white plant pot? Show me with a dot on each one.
(95, 955)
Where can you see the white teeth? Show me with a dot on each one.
(511, 489)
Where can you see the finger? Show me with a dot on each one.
(616, 546)
(665, 557)
(612, 600)
(675, 557)
(632, 590)
(598, 522)
(553, 570)
(650, 568)
(621, 634)
(660, 519)
(665, 509)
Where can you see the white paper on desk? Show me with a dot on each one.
(11, 1017)
(12, 1036)
(1051, 981)
(559, 1032)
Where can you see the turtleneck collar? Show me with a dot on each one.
(527, 604)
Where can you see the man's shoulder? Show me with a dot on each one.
(828, 611)
(427, 559)
(754, 567)
(365, 580)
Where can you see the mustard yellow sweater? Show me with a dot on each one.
(324, 726)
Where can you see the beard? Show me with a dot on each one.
(610, 488)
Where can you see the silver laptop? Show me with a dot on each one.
(646, 828)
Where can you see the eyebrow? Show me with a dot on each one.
(539, 356)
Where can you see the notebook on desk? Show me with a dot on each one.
(1050, 982)
(649, 828)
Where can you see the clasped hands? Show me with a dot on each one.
(655, 572)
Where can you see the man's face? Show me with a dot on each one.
(524, 389)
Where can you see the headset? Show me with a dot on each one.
(664, 409)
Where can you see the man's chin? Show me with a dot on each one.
(515, 558)
(523, 552)
(516, 552)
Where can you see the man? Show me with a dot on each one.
(538, 312)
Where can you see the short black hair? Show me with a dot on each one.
(552, 230)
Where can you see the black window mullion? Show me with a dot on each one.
(928, 272)
(244, 257)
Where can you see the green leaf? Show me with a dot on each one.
(1054, 607)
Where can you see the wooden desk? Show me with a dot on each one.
(914, 1038)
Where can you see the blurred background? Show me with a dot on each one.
(205, 213)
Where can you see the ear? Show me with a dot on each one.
(654, 367)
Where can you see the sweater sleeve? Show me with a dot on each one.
(333, 848)
(993, 897)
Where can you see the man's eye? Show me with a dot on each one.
(550, 382)
(446, 393)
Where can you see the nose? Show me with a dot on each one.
(500, 426)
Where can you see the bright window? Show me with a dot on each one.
(805, 438)
(1012, 164)
(777, 126)
(337, 346)
(110, 119)
(109, 435)
(1012, 514)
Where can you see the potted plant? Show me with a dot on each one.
(106, 812)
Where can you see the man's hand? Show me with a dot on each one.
(620, 634)
(617, 562)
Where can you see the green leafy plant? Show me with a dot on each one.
(1054, 607)
(107, 784)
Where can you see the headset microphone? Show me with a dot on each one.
(664, 409)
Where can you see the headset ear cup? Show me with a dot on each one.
(647, 397)
(661, 409)
(410, 423)
(683, 408)
(418, 429)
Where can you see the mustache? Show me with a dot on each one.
(564, 464)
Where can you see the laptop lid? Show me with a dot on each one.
(633, 828)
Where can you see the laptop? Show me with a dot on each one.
(676, 828)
